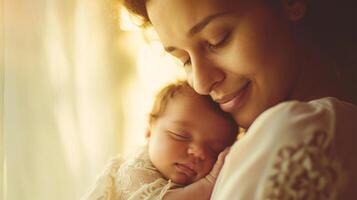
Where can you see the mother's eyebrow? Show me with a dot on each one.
(199, 27)
(204, 22)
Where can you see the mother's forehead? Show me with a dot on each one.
(183, 14)
(178, 19)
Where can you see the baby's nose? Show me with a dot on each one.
(197, 151)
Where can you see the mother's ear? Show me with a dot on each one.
(295, 9)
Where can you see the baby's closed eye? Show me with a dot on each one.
(179, 136)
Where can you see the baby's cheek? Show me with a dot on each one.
(208, 167)
(212, 162)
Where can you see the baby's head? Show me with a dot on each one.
(186, 133)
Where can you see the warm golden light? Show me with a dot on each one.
(154, 70)
(126, 21)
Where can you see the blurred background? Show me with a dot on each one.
(77, 80)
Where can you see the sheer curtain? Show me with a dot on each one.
(62, 75)
(2, 158)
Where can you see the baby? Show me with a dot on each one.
(187, 141)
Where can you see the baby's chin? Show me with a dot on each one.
(183, 179)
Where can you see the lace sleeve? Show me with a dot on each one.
(139, 179)
(133, 179)
(104, 188)
(306, 171)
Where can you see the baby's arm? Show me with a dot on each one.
(202, 188)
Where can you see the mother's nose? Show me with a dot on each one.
(204, 75)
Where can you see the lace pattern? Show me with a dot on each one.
(307, 171)
(104, 189)
(139, 179)
(134, 179)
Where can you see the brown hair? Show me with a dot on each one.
(138, 8)
(170, 91)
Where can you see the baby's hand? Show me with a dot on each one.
(212, 176)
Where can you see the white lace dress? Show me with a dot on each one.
(133, 179)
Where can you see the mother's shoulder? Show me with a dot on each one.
(295, 119)
(324, 107)
(326, 104)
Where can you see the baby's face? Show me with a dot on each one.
(185, 141)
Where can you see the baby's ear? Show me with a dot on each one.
(295, 9)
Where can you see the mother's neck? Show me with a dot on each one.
(321, 76)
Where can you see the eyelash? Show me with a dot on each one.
(210, 46)
(178, 136)
(220, 43)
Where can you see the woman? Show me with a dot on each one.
(272, 64)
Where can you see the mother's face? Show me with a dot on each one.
(239, 52)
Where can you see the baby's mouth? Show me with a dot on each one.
(186, 169)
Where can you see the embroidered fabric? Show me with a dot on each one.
(133, 179)
(306, 171)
